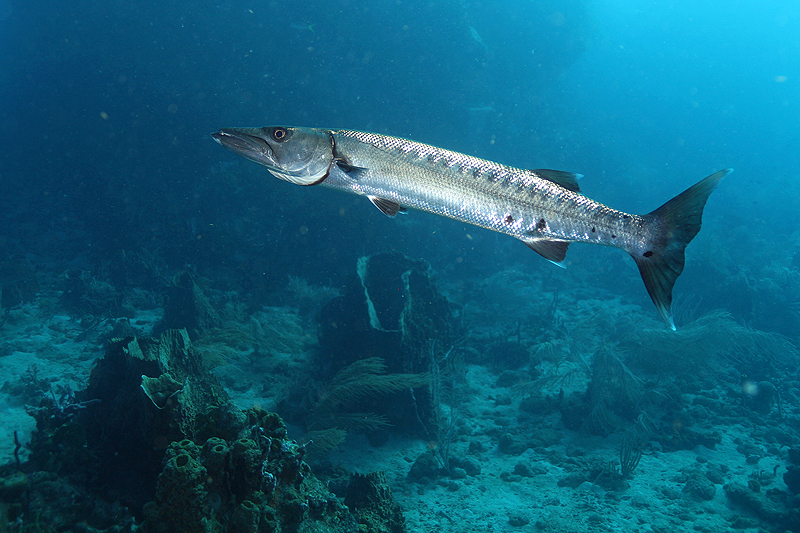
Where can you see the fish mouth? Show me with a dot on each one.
(254, 147)
(249, 146)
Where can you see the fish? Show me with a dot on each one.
(475, 35)
(302, 26)
(543, 208)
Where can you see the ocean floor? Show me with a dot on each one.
(526, 491)
(713, 448)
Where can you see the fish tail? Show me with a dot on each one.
(674, 225)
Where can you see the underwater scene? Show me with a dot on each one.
(261, 269)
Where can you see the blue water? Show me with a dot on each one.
(106, 109)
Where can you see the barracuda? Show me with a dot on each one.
(542, 208)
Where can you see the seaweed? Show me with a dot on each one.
(84, 294)
(278, 329)
(555, 366)
(446, 374)
(217, 346)
(612, 389)
(360, 381)
(308, 298)
(709, 341)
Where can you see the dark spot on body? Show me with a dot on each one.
(613, 236)
(648, 253)
(508, 219)
(541, 224)
(593, 230)
(626, 216)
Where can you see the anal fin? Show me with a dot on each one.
(390, 208)
(553, 251)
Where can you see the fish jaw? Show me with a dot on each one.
(248, 143)
(302, 156)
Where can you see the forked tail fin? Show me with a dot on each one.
(674, 224)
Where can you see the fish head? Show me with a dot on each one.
(299, 155)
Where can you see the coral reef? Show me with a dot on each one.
(371, 501)
(149, 392)
(44, 501)
(155, 432)
(258, 484)
(393, 301)
(187, 307)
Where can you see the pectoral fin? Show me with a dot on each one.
(348, 169)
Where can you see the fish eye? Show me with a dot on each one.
(279, 134)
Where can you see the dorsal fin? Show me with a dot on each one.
(390, 208)
(568, 180)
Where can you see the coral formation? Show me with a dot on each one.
(393, 301)
(247, 485)
(187, 307)
(175, 450)
(149, 392)
(371, 501)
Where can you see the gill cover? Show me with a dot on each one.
(299, 155)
